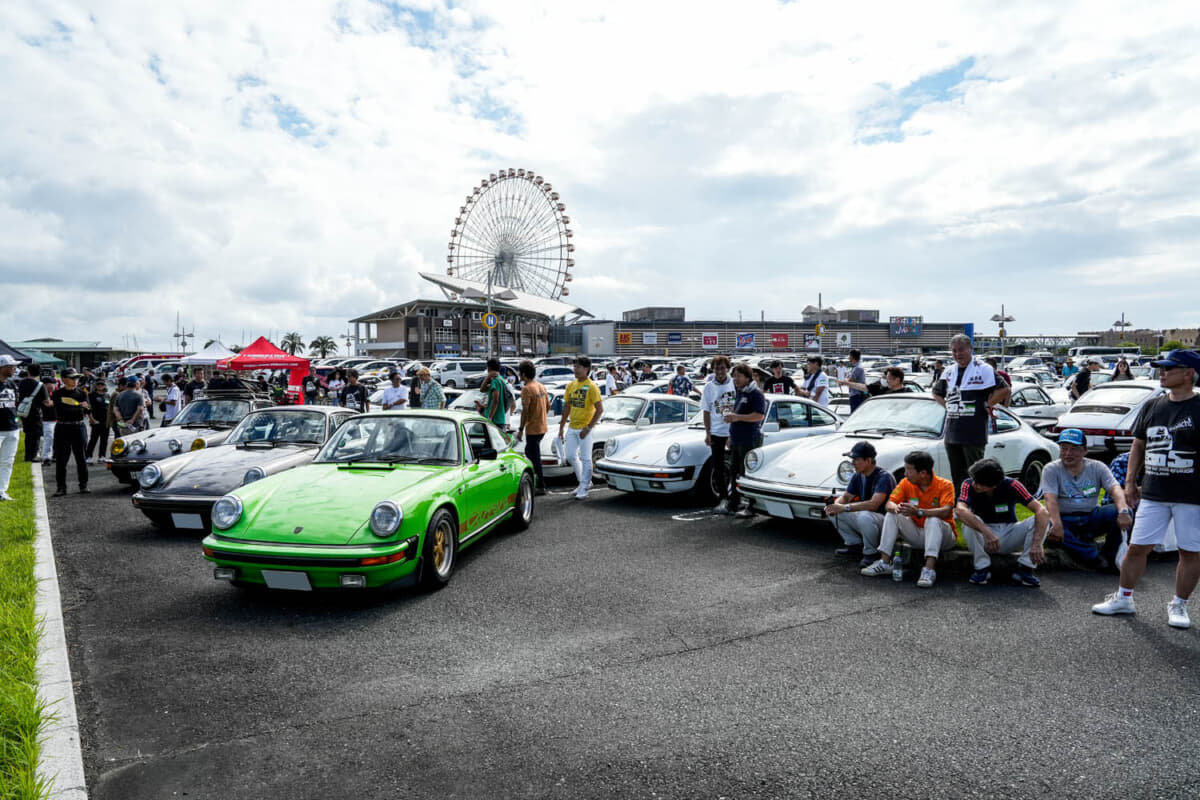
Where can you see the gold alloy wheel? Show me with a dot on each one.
(443, 553)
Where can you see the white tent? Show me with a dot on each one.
(208, 356)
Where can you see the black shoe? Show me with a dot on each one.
(84, 490)
(849, 552)
(60, 493)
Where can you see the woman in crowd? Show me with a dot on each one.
(1121, 372)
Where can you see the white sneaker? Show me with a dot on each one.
(1177, 616)
(880, 567)
(721, 507)
(580, 493)
(745, 512)
(1115, 604)
(5, 497)
(927, 578)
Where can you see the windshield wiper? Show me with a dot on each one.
(258, 443)
(929, 431)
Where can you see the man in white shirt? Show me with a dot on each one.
(716, 401)
(172, 401)
(610, 381)
(395, 397)
(816, 383)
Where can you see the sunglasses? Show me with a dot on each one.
(1168, 368)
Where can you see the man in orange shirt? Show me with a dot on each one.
(921, 510)
(534, 405)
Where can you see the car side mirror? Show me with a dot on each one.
(486, 454)
(770, 427)
(642, 422)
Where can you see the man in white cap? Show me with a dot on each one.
(1083, 381)
(10, 426)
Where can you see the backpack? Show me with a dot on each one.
(25, 407)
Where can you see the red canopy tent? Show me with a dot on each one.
(261, 354)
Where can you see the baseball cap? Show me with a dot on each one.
(1096, 360)
(1180, 358)
(70, 373)
(861, 450)
(1072, 436)
(8, 361)
(131, 381)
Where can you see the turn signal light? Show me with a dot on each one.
(375, 561)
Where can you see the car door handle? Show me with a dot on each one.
(504, 467)
(1000, 444)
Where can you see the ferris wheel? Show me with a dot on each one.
(513, 229)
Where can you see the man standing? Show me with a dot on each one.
(31, 386)
(535, 404)
(98, 415)
(49, 419)
(309, 386)
(816, 384)
(938, 368)
(681, 386)
(354, 395)
(1069, 368)
(1071, 489)
(494, 404)
(148, 386)
(395, 397)
(1166, 441)
(172, 402)
(858, 513)
(921, 509)
(583, 406)
(70, 406)
(610, 381)
(193, 386)
(716, 401)
(855, 380)
(647, 375)
(968, 389)
(10, 429)
(745, 430)
(129, 408)
(779, 382)
(987, 506)
(1083, 381)
(430, 394)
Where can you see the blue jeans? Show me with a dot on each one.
(1080, 532)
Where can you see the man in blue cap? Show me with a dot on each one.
(1071, 489)
(1166, 441)
(129, 407)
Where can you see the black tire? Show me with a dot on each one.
(451, 385)
(1031, 473)
(705, 491)
(597, 454)
(522, 514)
(439, 550)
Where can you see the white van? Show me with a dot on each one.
(453, 374)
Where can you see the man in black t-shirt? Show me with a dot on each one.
(859, 513)
(745, 429)
(193, 386)
(1166, 444)
(968, 389)
(1083, 379)
(98, 415)
(309, 386)
(354, 395)
(987, 508)
(71, 407)
(32, 424)
(778, 382)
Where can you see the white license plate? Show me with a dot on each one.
(287, 579)
(623, 484)
(1095, 441)
(188, 521)
(777, 509)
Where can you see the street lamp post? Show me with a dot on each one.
(1002, 318)
(1122, 324)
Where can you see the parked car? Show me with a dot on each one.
(1106, 414)
(376, 397)
(795, 480)
(676, 459)
(390, 500)
(658, 387)
(1032, 403)
(1063, 393)
(178, 492)
(454, 373)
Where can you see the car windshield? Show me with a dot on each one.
(280, 426)
(393, 440)
(897, 414)
(622, 409)
(1117, 394)
(213, 412)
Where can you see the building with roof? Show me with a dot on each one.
(78, 354)
(427, 329)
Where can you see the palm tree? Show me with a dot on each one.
(292, 343)
(322, 346)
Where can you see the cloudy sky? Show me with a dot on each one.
(263, 167)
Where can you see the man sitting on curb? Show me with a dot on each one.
(921, 509)
(987, 506)
(858, 513)
(1071, 490)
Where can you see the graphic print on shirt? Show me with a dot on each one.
(1162, 455)
(724, 401)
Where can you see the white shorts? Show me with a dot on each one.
(1153, 517)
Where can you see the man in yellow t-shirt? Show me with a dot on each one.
(921, 510)
(581, 410)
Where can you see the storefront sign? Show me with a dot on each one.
(624, 338)
(905, 326)
(812, 341)
(745, 341)
(649, 338)
(779, 341)
(674, 338)
(708, 341)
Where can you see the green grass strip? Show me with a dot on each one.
(22, 715)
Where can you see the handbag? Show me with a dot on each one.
(162, 405)
(26, 406)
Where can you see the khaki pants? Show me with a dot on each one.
(936, 536)
(860, 527)
(1012, 535)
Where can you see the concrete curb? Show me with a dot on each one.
(61, 762)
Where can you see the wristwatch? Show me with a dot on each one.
(1124, 512)
(920, 512)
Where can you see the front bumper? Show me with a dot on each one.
(156, 503)
(122, 464)
(627, 477)
(787, 501)
(380, 566)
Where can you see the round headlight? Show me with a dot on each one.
(118, 447)
(674, 452)
(253, 474)
(175, 445)
(610, 447)
(199, 444)
(845, 471)
(753, 461)
(226, 512)
(150, 476)
(137, 446)
(386, 518)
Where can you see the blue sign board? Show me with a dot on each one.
(906, 326)
(674, 338)
(969, 330)
(479, 348)
(745, 341)
(445, 348)
(508, 348)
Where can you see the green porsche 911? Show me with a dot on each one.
(390, 500)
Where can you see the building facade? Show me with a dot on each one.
(428, 329)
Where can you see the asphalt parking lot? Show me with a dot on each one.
(613, 651)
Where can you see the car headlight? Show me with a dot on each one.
(610, 447)
(386, 518)
(226, 512)
(674, 452)
(118, 447)
(175, 445)
(253, 474)
(753, 461)
(137, 447)
(150, 476)
(199, 444)
(845, 472)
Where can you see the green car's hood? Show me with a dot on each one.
(329, 504)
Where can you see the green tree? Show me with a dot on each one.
(1174, 344)
(292, 343)
(322, 346)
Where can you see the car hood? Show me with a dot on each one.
(814, 460)
(158, 439)
(649, 446)
(219, 470)
(327, 504)
(1090, 419)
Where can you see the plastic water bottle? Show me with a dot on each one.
(897, 567)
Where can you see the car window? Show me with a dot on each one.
(821, 417)
(772, 413)
(664, 411)
(280, 426)
(498, 442)
(394, 439)
(1004, 422)
(790, 415)
(477, 437)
